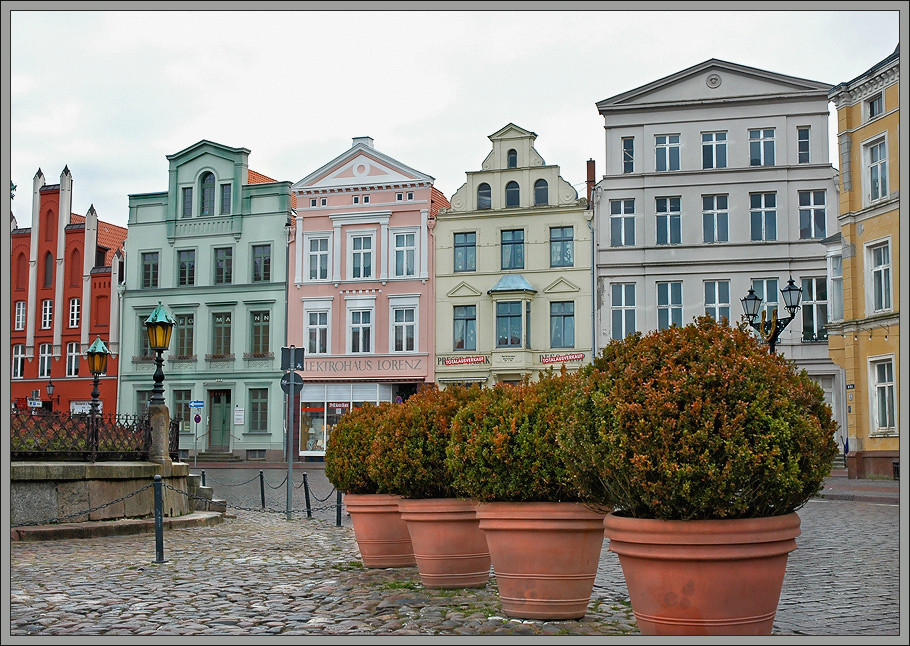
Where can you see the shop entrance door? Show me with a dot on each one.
(220, 421)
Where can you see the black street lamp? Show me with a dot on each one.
(159, 326)
(96, 355)
(50, 391)
(770, 331)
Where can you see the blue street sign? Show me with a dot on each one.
(196, 403)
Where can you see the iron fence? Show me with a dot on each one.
(40, 435)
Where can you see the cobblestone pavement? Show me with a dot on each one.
(258, 573)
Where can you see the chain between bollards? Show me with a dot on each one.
(159, 522)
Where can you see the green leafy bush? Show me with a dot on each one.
(348, 452)
(700, 422)
(409, 448)
(504, 443)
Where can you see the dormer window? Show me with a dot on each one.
(484, 199)
(512, 159)
(207, 203)
(512, 194)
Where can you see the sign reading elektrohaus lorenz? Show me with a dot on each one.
(385, 364)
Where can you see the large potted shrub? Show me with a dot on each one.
(409, 452)
(380, 533)
(705, 445)
(544, 543)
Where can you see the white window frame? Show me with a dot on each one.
(355, 199)
(879, 302)
(715, 142)
(47, 313)
(811, 210)
(20, 316)
(672, 307)
(620, 306)
(869, 103)
(627, 154)
(399, 197)
(719, 219)
(323, 201)
(72, 359)
(308, 256)
(626, 230)
(317, 306)
(664, 146)
(414, 250)
(18, 368)
(669, 220)
(715, 305)
(360, 304)
(44, 360)
(763, 212)
(816, 305)
(404, 302)
(410, 195)
(879, 165)
(366, 199)
(312, 202)
(760, 287)
(361, 233)
(800, 153)
(878, 389)
(74, 312)
(835, 287)
(764, 150)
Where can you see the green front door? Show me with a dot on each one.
(220, 421)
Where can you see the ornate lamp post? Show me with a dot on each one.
(96, 355)
(770, 331)
(159, 326)
(50, 391)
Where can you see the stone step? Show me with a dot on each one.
(217, 457)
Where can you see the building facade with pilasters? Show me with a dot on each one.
(864, 266)
(718, 180)
(213, 250)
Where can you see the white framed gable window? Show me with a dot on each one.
(882, 384)
(361, 245)
(875, 175)
(47, 313)
(316, 256)
(404, 315)
(360, 319)
(72, 359)
(74, 312)
(20, 315)
(404, 252)
(878, 276)
(317, 318)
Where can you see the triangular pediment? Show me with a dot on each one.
(511, 131)
(713, 80)
(463, 289)
(361, 165)
(561, 285)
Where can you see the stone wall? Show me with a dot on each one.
(83, 491)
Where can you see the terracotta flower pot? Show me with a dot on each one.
(703, 577)
(381, 535)
(545, 556)
(450, 549)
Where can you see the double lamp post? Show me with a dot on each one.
(770, 330)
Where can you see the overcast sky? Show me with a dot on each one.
(111, 93)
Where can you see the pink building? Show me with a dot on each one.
(360, 287)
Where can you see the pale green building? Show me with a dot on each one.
(213, 250)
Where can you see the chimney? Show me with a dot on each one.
(590, 181)
(366, 141)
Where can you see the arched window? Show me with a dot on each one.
(48, 269)
(207, 206)
(512, 159)
(75, 268)
(484, 200)
(541, 192)
(21, 272)
(512, 194)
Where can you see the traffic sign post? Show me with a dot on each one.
(196, 403)
(291, 384)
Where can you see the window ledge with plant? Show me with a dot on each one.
(219, 357)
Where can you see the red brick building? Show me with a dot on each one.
(64, 273)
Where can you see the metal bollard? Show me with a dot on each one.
(159, 522)
(337, 509)
(203, 477)
(306, 496)
(262, 488)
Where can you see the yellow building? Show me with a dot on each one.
(863, 267)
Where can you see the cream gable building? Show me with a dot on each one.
(513, 269)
